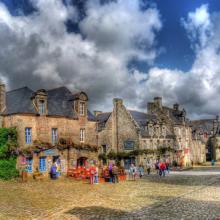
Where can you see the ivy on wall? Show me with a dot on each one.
(112, 155)
(8, 146)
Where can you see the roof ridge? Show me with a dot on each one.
(24, 87)
(60, 87)
(136, 111)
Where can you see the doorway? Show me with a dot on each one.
(82, 161)
(128, 161)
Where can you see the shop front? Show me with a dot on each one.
(39, 162)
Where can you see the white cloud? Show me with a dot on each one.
(198, 90)
(199, 26)
(36, 50)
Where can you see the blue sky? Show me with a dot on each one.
(132, 49)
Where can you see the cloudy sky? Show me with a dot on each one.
(132, 49)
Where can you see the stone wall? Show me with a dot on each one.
(119, 128)
(42, 128)
(124, 126)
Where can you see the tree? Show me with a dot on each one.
(8, 146)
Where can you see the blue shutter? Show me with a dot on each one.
(42, 164)
(29, 165)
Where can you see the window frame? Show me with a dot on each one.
(29, 165)
(82, 135)
(44, 168)
(54, 136)
(42, 107)
(28, 135)
(82, 108)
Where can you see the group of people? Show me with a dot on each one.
(162, 167)
(94, 174)
(113, 173)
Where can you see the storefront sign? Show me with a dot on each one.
(50, 152)
(129, 145)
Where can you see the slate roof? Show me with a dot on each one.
(19, 101)
(103, 117)
(60, 103)
(142, 118)
(203, 126)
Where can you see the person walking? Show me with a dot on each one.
(96, 176)
(92, 171)
(115, 173)
(110, 173)
(162, 169)
(167, 166)
(157, 166)
(53, 171)
(133, 172)
(140, 171)
(149, 165)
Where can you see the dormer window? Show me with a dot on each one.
(82, 108)
(42, 107)
(40, 101)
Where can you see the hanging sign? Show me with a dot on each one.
(129, 145)
(50, 152)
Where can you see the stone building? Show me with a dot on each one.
(162, 132)
(52, 125)
(208, 131)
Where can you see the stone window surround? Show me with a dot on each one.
(82, 108)
(82, 135)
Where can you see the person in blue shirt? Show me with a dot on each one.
(53, 171)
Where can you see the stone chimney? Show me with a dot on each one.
(2, 98)
(96, 113)
(117, 102)
(176, 107)
(158, 102)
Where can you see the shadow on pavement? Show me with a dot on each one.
(171, 209)
(186, 180)
(96, 212)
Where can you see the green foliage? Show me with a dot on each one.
(112, 155)
(8, 145)
(8, 169)
(8, 142)
(102, 156)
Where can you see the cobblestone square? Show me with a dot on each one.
(181, 195)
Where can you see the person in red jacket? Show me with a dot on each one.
(162, 169)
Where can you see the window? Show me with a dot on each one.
(82, 108)
(54, 136)
(82, 134)
(42, 107)
(29, 165)
(42, 164)
(28, 134)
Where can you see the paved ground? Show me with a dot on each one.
(181, 195)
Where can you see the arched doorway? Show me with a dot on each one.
(82, 161)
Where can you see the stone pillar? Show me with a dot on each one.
(117, 103)
(2, 98)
